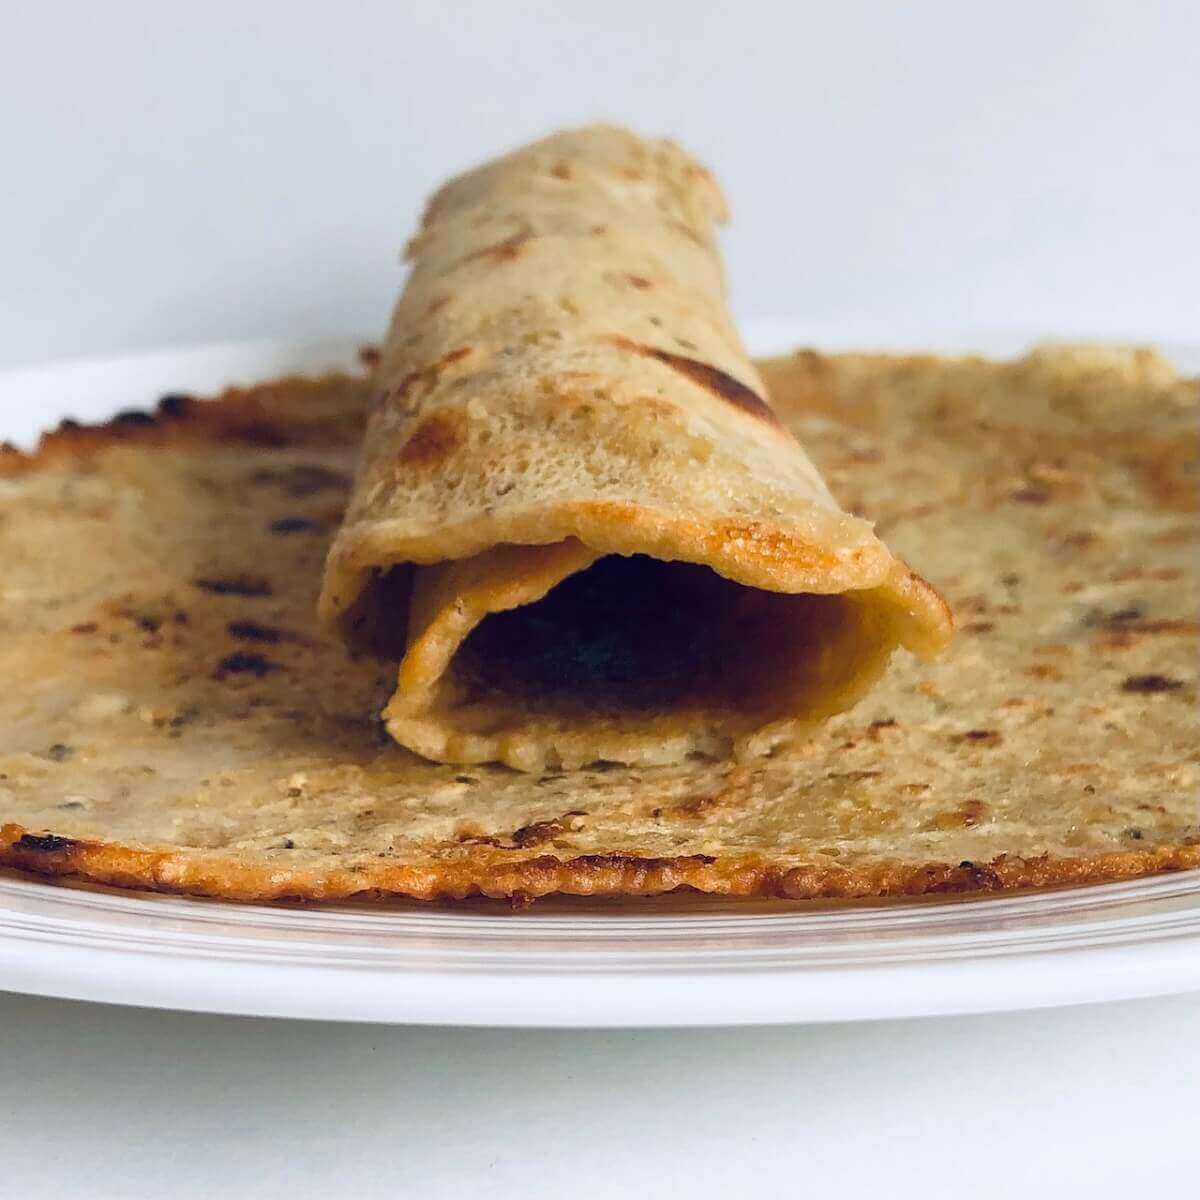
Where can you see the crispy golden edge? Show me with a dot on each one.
(231, 878)
(265, 416)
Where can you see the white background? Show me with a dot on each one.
(174, 173)
(192, 172)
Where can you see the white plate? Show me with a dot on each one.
(665, 962)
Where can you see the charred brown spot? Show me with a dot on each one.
(427, 375)
(466, 838)
(638, 281)
(134, 416)
(434, 440)
(369, 356)
(1030, 495)
(561, 170)
(981, 737)
(241, 663)
(1150, 683)
(175, 404)
(1121, 617)
(731, 390)
(598, 230)
(967, 876)
(979, 627)
(293, 525)
(234, 585)
(252, 631)
(85, 627)
(436, 305)
(45, 843)
(606, 861)
(537, 833)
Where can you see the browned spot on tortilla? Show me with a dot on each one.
(437, 304)
(428, 374)
(540, 832)
(1121, 635)
(638, 281)
(1170, 472)
(134, 416)
(598, 230)
(979, 627)
(369, 356)
(253, 631)
(1043, 671)
(536, 833)
(286, 525)
(731, 390)
(765, 542)
(1165, 574)
(561, 170)
(1030, 495)
(980, 737)
(966, 816)
(433, 441)
(1145, 684)
(508, 250)
(242, 663)
(234, 585)
(44, 843)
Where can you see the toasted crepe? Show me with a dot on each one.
(578, 521)
(172, 716)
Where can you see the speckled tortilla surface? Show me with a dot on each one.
(172, 717)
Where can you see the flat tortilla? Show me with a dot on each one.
(602, 541)
(171, 716)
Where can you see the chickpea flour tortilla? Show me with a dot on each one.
(578, 524)
(172, 715)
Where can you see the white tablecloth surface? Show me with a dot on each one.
(113, 1103)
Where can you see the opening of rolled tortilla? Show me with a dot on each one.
(557, 656)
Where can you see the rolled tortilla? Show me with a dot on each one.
(577, 522)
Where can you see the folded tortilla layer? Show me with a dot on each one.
(577, 521)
